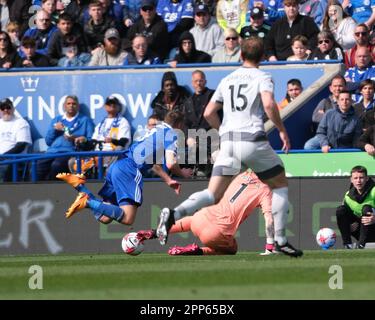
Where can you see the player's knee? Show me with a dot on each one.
(341, 211)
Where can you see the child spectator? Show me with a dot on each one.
(299, 47)
(31, 58)
(294, 89)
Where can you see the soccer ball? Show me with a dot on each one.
(326, 238)
(131, 244)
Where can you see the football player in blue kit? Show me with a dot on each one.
(122, 190)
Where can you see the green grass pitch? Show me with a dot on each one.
(244, 276)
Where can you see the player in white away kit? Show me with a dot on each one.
(244, 95)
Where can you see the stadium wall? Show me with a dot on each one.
(32, 217)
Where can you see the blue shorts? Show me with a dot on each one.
(123, 184)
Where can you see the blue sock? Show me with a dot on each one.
(83, 188)
(109, 210)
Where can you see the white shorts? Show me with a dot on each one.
(235, 156)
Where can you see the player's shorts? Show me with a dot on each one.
(210, 235)
(123, 184)
(234, 156)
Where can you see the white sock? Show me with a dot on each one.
(280, 208)
(195, 202)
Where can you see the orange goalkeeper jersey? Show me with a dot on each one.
(244, 194)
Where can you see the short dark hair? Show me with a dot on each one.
(366, 82)
(173, 118)
(65, 16)
(339, 76)
(28, 42)
(301, 39)
(360, 169)
(345, 92)
(295, 82)
(252, 49)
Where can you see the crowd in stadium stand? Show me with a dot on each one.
(76, 33)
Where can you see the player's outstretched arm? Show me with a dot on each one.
(273, 114)
(166, 178)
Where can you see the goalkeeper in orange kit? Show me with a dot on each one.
(216, 225)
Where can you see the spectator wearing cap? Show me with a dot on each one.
(231, 14)
(42, 32)
(187, 53)
(95, 28)
(179, 17)
(153, 27)
(170, 97)
(15, 134)
(208, 35)
(231, 51)
(140, 53)
(68, 32)
(30, 57)
(257, 27)
(65, 133)
(279, 39)
(112, 133)
(272, 9)
(111, 53)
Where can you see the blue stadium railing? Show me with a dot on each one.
(16, 159)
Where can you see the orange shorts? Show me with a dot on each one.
(210, 235)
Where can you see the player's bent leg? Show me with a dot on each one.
(280, 208)
(130, 212)
(166, 221)
(182, 225)
(73, 179)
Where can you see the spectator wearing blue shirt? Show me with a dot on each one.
(43, 32)
(363, 69)
(362, 11)
(179, 17)
(273, 9)
(64, 134)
